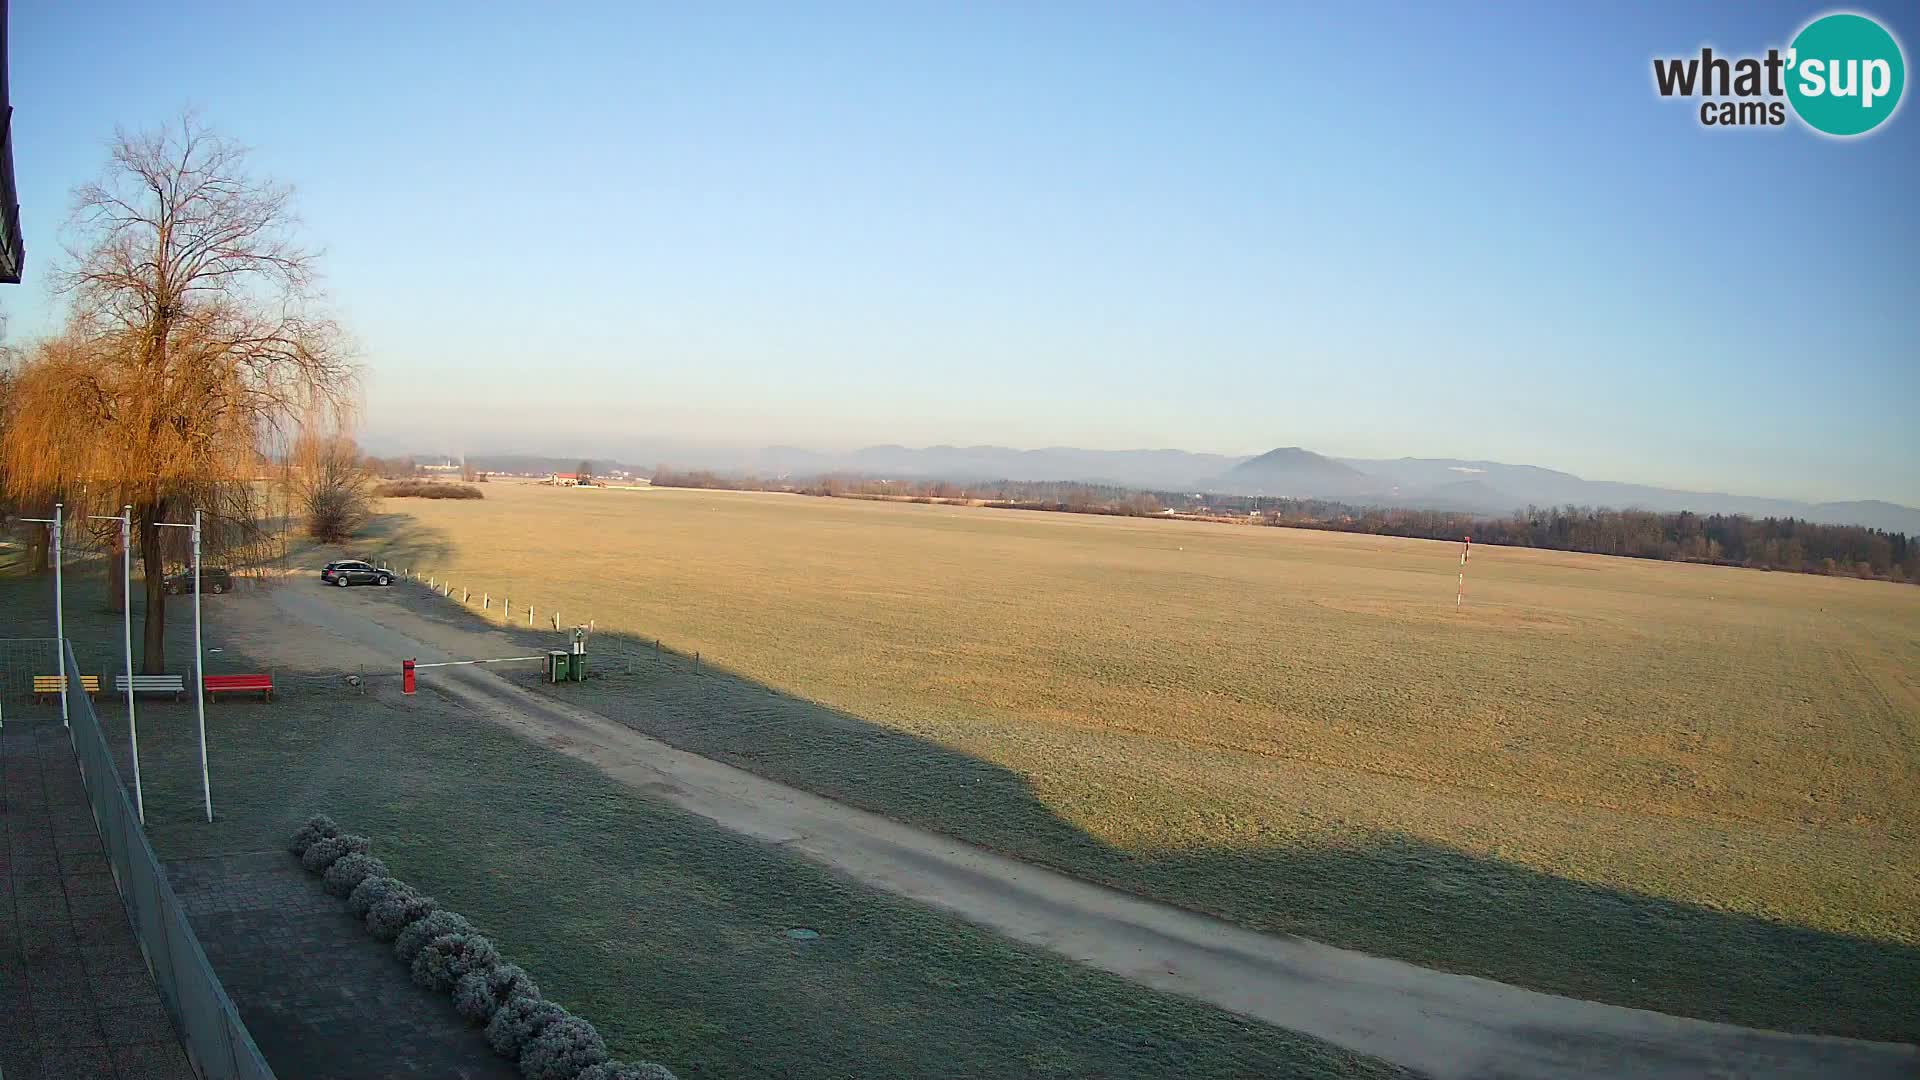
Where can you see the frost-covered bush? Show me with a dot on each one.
(396, 911)
(348, 871)
(627, 1070)
(479, 992)
(369, 892)
(415, 937)
(323, 852)
(317, 828)
(561, 1050)
(451, 957)
(518, 1020)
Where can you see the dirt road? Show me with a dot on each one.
(1441, 1024)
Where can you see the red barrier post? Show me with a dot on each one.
(406, 676)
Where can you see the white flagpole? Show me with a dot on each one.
(59, 608)
(126, 631)
(199, 662)
(199, 670)
(1460, 593)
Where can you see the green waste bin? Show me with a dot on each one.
(559, 665)
(577, 668)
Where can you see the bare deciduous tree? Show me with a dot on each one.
(328, 480)
(193, 339)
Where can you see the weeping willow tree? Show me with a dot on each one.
(194, 343)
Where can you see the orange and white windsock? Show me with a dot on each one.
(1461, 592)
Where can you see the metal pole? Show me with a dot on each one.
(1460, 591)
(125, 518)
(199, 671)
(59, 613)
(126, 633)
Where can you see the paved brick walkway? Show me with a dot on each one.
(323, 1000)
(76, 999)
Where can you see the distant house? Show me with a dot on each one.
(564, 479)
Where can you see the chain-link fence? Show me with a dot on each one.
(216, 1041)
(23, 658)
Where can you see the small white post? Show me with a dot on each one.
(486, 602)
(529, 614)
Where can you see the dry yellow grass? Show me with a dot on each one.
(1686, 787)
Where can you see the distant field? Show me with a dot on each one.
(1682, 787)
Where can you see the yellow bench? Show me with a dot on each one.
(49, 686)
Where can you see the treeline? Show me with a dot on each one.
(1072, 498)
(1723, 539)
(712, 481)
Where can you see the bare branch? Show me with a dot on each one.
(195, 338)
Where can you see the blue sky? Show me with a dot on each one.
(1370, 230)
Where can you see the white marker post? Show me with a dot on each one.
(59, 613)
(199, 662)
(125, 518)
(1460, 593)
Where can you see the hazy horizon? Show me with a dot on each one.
(1379, 232)
(660, 453)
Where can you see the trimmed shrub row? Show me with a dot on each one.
(447, 953)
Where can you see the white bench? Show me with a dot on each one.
(152, 684)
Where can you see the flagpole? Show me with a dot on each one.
(199, 670)
(199, 661)
(1460, 593)
(125, 519)
(59, 606)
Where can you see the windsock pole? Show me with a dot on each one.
(1460, 593)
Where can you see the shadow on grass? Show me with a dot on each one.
(399, 541)
(1387, 894)
(667, 931)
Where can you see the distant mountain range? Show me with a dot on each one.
(1484, 487)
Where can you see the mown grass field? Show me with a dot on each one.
(1688, 788)
(665, 930)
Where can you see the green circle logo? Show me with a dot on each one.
(1845, 74)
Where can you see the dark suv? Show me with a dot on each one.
(218, 580)
(345, 572)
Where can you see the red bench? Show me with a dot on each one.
(229, 684)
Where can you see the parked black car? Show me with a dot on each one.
(218, 579)
(345, 572)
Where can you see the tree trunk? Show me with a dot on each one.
(153, 657)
